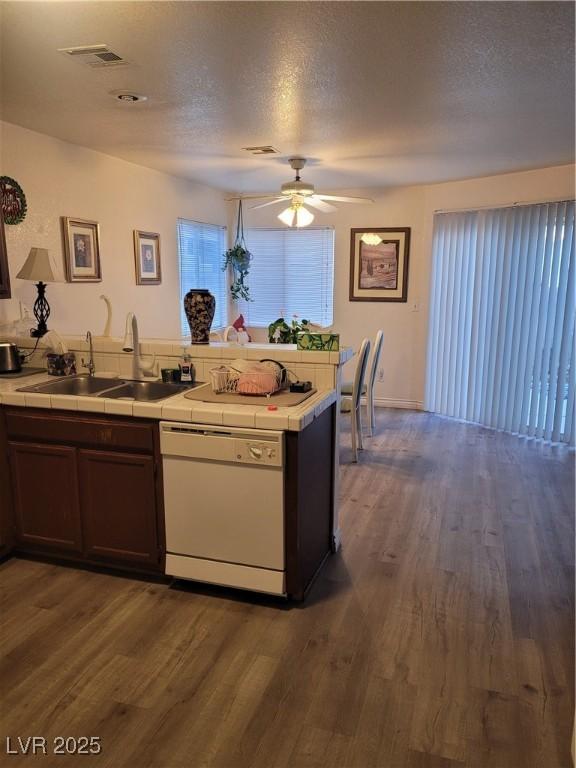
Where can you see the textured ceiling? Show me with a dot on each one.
(375, 93)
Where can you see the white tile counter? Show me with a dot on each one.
(175, 408)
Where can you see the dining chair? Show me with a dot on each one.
(357, 387)
(368, 388)
(378, 344)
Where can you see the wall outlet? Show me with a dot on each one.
(380, 374)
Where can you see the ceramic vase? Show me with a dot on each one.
(199, 305)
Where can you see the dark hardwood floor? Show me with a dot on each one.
(441, 636)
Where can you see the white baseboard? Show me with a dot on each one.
(389, 402)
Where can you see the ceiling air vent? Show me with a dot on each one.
(95, 56)
(266, 150)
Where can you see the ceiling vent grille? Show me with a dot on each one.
(265, 150)
(95, 56)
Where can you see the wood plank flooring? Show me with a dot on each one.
(440, 637)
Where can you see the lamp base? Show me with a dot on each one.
(41, 312)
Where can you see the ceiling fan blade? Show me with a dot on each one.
(313, 201)
(271, 202)
(249, 197)
(338, 199)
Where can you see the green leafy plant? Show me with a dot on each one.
(279, 332)
(238, 258)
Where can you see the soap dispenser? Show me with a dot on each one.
(187, 373)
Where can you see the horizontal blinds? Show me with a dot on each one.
(291, 273)
(201, 250)
(501, 333)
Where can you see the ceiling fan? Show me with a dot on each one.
(301, 194)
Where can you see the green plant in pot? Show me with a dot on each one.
(279, 332)
(238, 258)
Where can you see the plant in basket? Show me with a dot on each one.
(238, 259)
(279, 332)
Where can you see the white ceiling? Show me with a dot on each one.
(375, 93)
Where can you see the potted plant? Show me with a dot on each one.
(238, 259)
(279, 332)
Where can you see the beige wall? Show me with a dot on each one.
(406, 325)
(62, 179)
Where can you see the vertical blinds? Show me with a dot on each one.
(200, 251)
(501, 338)
(292, 272)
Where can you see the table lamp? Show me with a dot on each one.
(38, 268)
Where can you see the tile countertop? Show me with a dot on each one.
(175, 408)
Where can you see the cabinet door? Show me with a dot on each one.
(45, 496)
(6, 509)
(118, 507)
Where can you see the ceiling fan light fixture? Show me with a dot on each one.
(296, 216)
(287, 216)
(371, 238)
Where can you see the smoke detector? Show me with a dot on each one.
(95, 56)
(128, 97)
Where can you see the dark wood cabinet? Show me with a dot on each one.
(83, 487)
(6, 506)
(45, 494)
(118, 503)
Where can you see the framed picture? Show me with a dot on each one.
(82, 250)
(147, 258)
(379, 264)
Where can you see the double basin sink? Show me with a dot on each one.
(118, 389)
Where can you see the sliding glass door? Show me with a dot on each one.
(501, 332)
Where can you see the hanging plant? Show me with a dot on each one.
(238, 258)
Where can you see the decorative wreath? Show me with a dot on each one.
(13, 200)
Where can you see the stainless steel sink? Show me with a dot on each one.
(73, 385)
(92, 386)
(145, 390)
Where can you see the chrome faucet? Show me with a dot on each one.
(90, 364)
(140, 369)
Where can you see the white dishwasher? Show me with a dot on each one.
(224, 505)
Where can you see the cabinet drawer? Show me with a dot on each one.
(67, 429)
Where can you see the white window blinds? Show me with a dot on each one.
(501, 338)
(292, 272)
(201, 250)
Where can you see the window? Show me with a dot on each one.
(292, 273)
(201, 249)
(501, 340)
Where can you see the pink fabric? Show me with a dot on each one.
(257, 383)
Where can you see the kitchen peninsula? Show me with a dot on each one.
(85, 476)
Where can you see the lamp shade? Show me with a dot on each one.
(38, 267)
(296, 216)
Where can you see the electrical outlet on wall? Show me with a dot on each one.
(380, 374)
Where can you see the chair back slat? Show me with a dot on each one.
(360, 373)
(378, 344)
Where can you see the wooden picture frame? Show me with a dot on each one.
(5, 292)
(147, 258)
(81, 250)
(379, 269)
